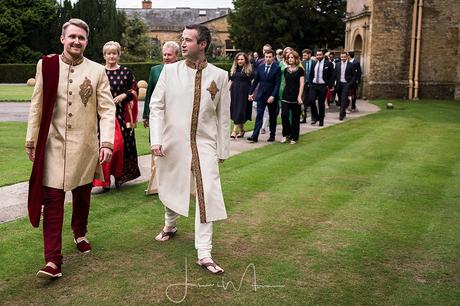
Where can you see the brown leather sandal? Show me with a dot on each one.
(213, 264)
(166, 234)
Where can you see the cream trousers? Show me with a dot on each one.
(203, 231)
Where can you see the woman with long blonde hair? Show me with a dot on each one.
(241, 76)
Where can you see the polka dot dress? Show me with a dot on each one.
(122, 81)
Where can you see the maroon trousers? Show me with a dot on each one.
(53, 218)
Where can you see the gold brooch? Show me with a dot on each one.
(86, 90)
(213, 90)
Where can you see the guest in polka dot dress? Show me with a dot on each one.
(124, 91)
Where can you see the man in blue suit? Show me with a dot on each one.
(267, 76)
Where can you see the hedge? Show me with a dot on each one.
(20, 73)
(16, 73)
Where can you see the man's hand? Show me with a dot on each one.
(251, 98)
(299, 101)
(120, 98)
(271, 99)
(145, 122)
(31, 153)
(105, 155)
(157, 150)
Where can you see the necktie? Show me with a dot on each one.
(266, 69)
(308, 70)
(317, 72)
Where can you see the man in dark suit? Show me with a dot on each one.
(321, 77)
(306, 63)
(267, 77)
(344, 77)
(354, 86)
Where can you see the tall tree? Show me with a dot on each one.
(295, 23)
(136, 45)
(104, 21)
(24, 29)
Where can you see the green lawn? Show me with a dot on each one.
(17, 93)
(14, 164)
(362, 213)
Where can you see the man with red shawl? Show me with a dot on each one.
(70, 93)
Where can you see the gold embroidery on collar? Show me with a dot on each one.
(86, 90)
(213, 90)
(70, 61)
(192, 65)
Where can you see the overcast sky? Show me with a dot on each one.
(178, 3)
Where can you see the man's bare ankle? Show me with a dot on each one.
(51, 264)
(168, 228)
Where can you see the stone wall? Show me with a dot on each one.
(439, 55)
(386, 47)
(356, 6)
(389, 49)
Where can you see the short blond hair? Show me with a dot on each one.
(111, 45)
(172, 45)
(78, 23)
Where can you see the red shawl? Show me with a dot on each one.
(50, 73)
(131, 109)
(115, 165)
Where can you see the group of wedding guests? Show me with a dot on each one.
(82, 120)
(284, 80)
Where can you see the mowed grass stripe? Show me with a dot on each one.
(433, 263)
(390, 215)
(311, 157)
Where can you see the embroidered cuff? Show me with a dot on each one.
(30, 144)
(107, 145)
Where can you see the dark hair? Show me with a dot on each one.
(332, 53)
(343, 52)
(308, 51)
(270, 51)
(203, 34)
(320, 50)
(351, 54)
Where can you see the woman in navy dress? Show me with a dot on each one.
(241, 76)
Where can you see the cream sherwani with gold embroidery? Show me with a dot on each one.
(180, 88)
(72, 147)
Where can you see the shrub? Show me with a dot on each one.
(16, 73)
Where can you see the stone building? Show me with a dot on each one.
(404, 55)
(168, 23)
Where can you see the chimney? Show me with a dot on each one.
(146, 4)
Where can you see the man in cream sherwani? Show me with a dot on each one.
(189, 126)
(70, 93)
